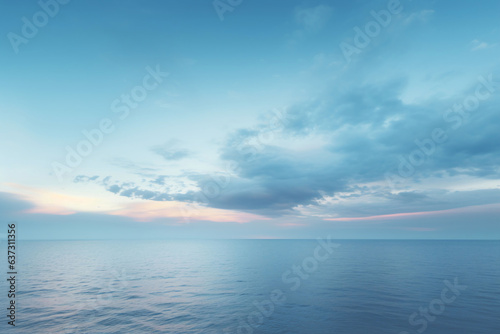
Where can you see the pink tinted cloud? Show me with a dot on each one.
(469, 209)
(291, 225)
(147, 211)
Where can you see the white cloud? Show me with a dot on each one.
(478, 45)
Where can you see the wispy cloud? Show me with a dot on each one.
(171, 151)
(313, 19)
(147, 211)
(56, 203)
(480, 208)
(419, 16)
(477, 45)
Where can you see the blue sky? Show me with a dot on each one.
(179, 119)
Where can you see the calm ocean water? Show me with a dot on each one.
(257, 286)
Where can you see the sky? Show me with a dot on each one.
(250, 119)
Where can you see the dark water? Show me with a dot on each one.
(219, 286)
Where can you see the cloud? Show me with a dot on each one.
(480, 208)
(421, 16)
(477, 45)
(11, 204)
(134, 167)
(155, 225)
(44, 201)
(170, 152)
(365, 129)
(147, 211)
(146, 207)
(344, 141)
(84, 178)
(313, 19)
(380, 202)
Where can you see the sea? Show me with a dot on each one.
(255, 286)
